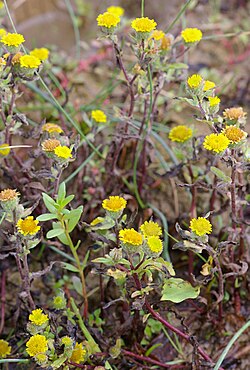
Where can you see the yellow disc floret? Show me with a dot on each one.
(8, 194)
(51, 128)
(50, 145)
(38, 318)
(200, 226)
(2, 32)
(12, 39)
(213, 100)
(151, 228)
(78, 354)
(157, 35)
(37, 344)
(194, 81)
(180, 133)
(208, 85)
(5, 349)
(99, 116)
(29, 61)
(216, 142)
(116, 10)
(143, 24)
(40, 53)
(155, 244)
(4, 149)
(234, 134)
(114, 203)
(130, 236)
(63, 152)
(234, 113)
(28, 226)
(191, 35)
(108, 20)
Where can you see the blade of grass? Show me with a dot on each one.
(75, 27)
(183, 9)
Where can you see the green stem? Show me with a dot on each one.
(75, 27)
(178, 16)
(142, 7)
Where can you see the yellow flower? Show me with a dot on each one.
(96, 221)
(4, 149)
(41, 358)
(28, 226)
(99, 116)
(151, 228)
(194, 81)
(67, 341)
(234, 113)
(157, 35)
(180, 133)
(108, 20)
(29, 61)
(52, 128)
(213, 100)
(38, 318)
(37, 344)
(234, 134)
(40, 53)
(130, 236)
(78, 354)
(5, 349)
(143, 24)
(1, 5)
(166, 42)
(208, 85)
(216, 142)
(63, 152)
(12, 39)
(8, 194)
(2, 62)
(191, 35)
(16, 58)
(50, 145)
(2, 32)
(155, 244)
(200, 226)
(116, 10)
(114, 203)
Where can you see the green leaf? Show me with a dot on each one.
(74, 217)
(49, 202)
(220, 174)
(59, 362)
(46, 217)
(77, 284)
(61, 193)
(67, 200)
(54, 232)
(177, 66)
(70, 267)
(177, 290)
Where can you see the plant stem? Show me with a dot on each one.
(142, 7)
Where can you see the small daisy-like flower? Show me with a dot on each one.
(130, 236)
(59, 302)
(166, 42)
(200, 226)
(40, 53)
(116, 10)
(108, 20)
(157, 35)
(194, 81)
(191, 35)
(37, 344)
(63, 152)
(29, 61)
(2, 32)
(151, 228)
(78, 354)
(114, 204)
(28, 226)
(143, 24)
(50, 145)
(213, 100)
(180, 133)
(12, 39)
(4, 149)
(5, 348)
(216, 142)
(52, 128)
(234, 134)
(234, 113)
(41, 358)
(208, 85)
(38, 318)
(16, 58)
(97, 220)
(7, 195)
(99, 116)
(67, 341)
(155, 244)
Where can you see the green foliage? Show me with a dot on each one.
(178, 290)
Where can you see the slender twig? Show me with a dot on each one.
(3, 292)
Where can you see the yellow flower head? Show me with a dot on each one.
(63, 152)
(8, 194)
(130, 236)
(5, 349)
(28, 226)
(37, 344)
(194, 81)
(41, 358)
(166, 42)
(40, 53)
(4, 149)
(29, 61)
(16, 58)
(114, 203)
(143, 24)
(108, 20)
(191, 35)
(180, 133)
(234, 134)
(67, 341)
(97, 220)
(78, 354)
(157, 35)
(213, 100)
(51, 128)
(155, 244)
(200, 226)
(116, 10)
(2, 32)
(216, 142)
(12, 39)
(99, 116)
(208, 85)
(38, 318)
(50, 145)
(151, 228)
(234, 113)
